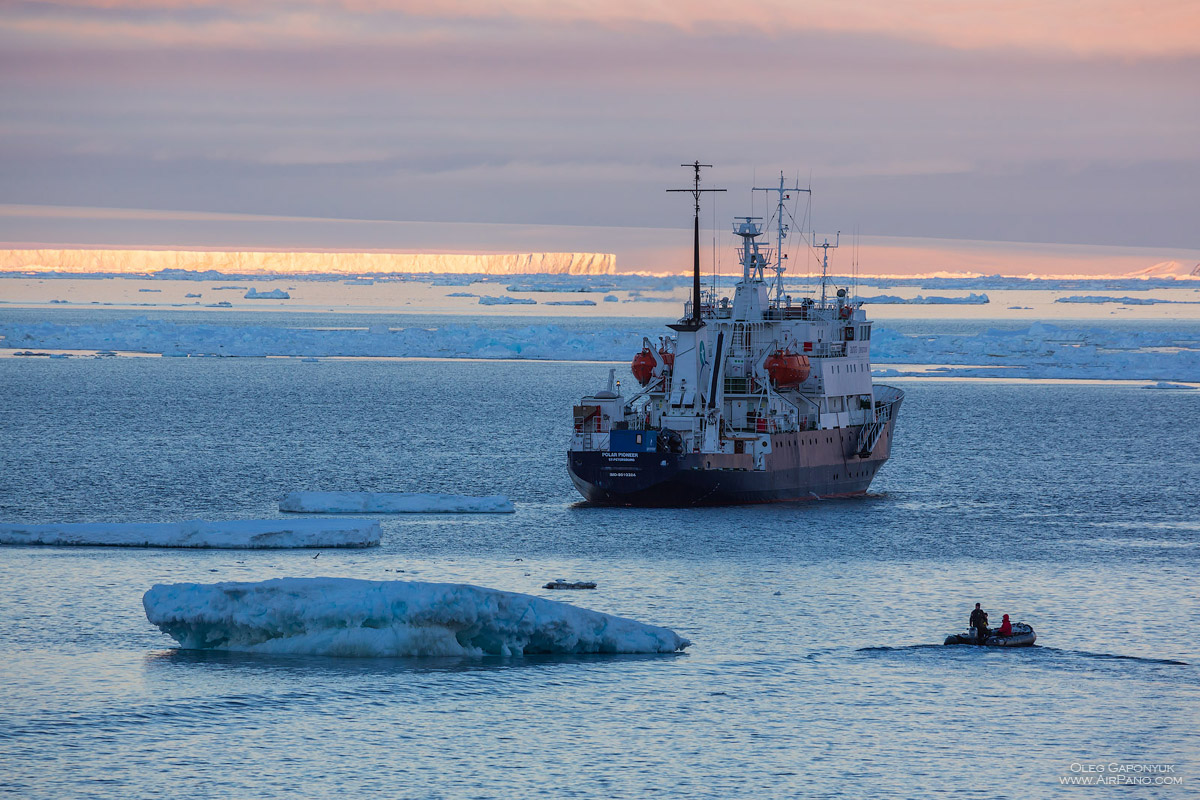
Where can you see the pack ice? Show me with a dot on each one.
(393, 503)
(349, 617)
(239, 534)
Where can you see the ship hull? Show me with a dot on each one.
(800, 466)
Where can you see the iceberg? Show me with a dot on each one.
(1166, 385)
(505, 300)
(359, 618)
(273, 294)
(246, 534)
(393, 503)
(971, 299)
(570, 302)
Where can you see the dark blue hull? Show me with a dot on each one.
(800, 466)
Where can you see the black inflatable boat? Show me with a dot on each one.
(1022, 636)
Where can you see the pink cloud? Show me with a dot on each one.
(1091, 27)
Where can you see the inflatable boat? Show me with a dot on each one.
(1022, 636)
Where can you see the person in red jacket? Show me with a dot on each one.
(1005, 627)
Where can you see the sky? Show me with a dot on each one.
(1061, 121)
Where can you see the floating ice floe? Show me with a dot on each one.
(347, 617)
(238, 534)
(1039, 350)
(570, 303)
(920, 300)
(1165, 385)
(273, 294)
(505, 300)
(393, 503)
(559, 286)
(1125, 301)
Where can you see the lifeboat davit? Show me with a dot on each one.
(643, 366)
(787, 369)
(667, 357)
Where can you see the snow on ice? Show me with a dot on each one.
(348, 618)
(238, 534)
(393, 503)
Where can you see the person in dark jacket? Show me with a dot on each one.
(979, 621)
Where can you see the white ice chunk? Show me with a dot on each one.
(505, 300)
(393, 503)
(1165, 385)
(348, 617)
(238, 534)
(273, 294)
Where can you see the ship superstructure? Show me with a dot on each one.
(751, 398)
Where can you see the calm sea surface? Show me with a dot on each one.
(816, 668)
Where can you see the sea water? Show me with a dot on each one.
(816, 667)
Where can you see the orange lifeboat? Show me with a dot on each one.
(787, 369)
(667, 357)
(643, 366)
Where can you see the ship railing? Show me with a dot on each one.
(593, 441)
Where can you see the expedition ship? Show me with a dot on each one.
(752, 399)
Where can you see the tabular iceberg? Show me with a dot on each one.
(273, 294)
(238, 535)
(393, 503)
(348, 617)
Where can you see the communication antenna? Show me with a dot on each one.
(781, 228)
(695, 323)
(826, 246)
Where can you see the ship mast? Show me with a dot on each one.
(695, 323)
(826, 246)
(781, 231)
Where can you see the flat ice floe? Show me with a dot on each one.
(347, 617)
(920, 300)
(505, 300)
(238, 534)
(393, 503)
(1041, 350)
